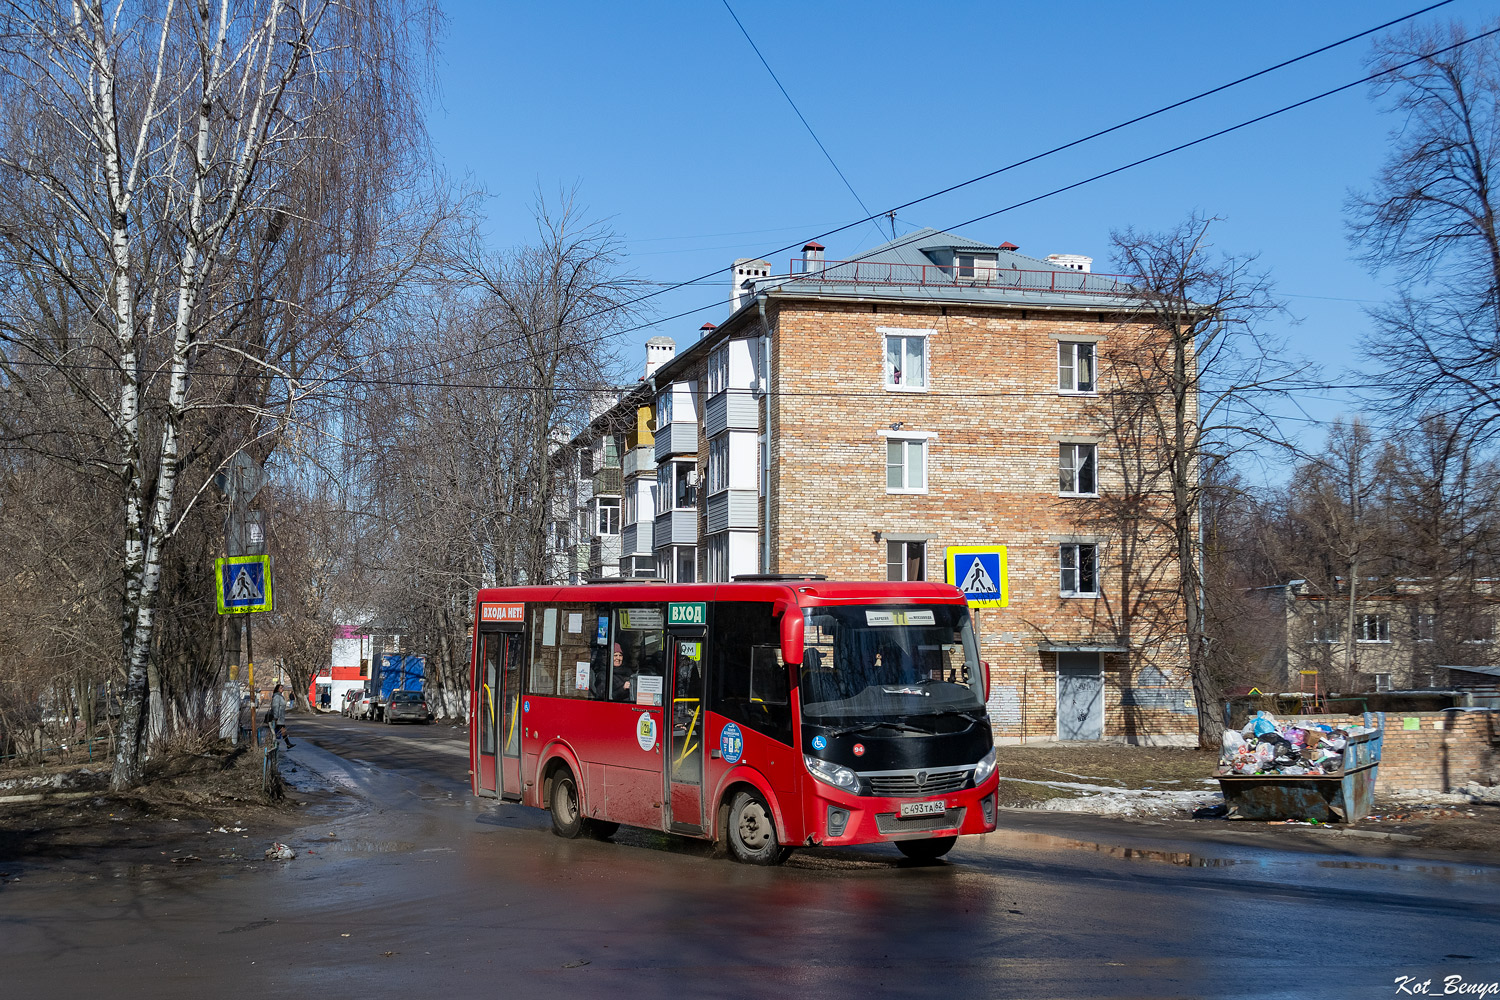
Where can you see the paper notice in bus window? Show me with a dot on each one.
(641, 619)
(647, 690)
(900, 618)
(549, 627)
(581, 675)
(575, 622)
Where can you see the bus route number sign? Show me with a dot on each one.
(687, 613)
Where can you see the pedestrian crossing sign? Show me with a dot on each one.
(980, 572)
(242, 584)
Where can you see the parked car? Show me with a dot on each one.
(351, 697)
(364, 706)
(407, 706)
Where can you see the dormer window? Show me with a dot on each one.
(976, 266)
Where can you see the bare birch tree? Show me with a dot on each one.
(155, 158)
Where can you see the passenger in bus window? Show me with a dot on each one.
(619, 676)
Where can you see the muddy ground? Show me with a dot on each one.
(203, 799)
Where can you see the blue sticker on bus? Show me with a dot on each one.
(819, 743)
(731, 743)
(526, 705)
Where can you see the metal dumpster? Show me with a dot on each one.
(1346, 796)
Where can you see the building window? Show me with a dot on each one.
(716, 559)
(718, 370)
(609, 517)
(676, 564)
(1080, 569)
(906, 465)
(629, 509)
(664, 408)
(1322, 628)
(686, 564)
(718, 464)
(1425, 627)
(1075, 367)
(1382, 682)
(1374, 628)
(905, 362)
(1075, 469)
(676, 486)
(906, 560)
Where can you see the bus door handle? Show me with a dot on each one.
(714, 754)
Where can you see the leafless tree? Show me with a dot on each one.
(1185, 383)
(1429, 224)
(178, 182)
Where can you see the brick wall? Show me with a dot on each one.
(1445, 751)
(992, 471)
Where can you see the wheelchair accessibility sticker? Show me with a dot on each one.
(731, 743)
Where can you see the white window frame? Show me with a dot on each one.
(1425, 627)
(906, 443)
(718, 370)
(1373, 628)
(1319, 630)
(887, 371)
(1076, 550)
(664, 407)
(716, 558)
(1070, 464)
(1067, 361)
(1382, 681)
(718, 464)
(600, 521)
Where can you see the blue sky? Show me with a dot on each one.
(671, 128)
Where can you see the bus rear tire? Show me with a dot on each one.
(752, 831)
(926, 850)
(567, 818)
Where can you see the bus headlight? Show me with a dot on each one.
(984, 768)
(836, 775)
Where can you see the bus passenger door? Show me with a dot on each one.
(486, 712)
(684, 762)
(509, 732)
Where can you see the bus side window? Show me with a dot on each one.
(748, 681)
(542, 677)
(640, 651)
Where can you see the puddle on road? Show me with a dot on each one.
(365, 846)
(1186, 859)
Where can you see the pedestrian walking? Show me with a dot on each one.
(278, 716)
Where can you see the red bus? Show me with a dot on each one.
(768, 713)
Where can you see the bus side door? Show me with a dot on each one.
(684, 758)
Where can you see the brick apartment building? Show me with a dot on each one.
(858, 418)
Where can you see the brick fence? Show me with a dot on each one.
(1430, 751)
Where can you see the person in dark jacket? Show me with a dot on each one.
(278, 716)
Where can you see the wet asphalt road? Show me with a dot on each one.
(412, 888)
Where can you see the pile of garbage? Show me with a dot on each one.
(1265, 746)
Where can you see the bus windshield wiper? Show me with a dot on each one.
(865, 726)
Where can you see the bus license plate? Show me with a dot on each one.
(909, 809)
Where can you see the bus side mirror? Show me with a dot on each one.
(985, 666)
(791, 635)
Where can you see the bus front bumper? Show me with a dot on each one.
(840, 818)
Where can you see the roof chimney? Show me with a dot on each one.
(1008, 245)
(744, 274)
(659, 350)
(705, 330)
(812, 257)
(1072, 261)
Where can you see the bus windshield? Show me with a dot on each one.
(866, 663)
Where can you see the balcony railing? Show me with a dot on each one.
(607, 482)
(977, 275)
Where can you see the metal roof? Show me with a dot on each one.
(915, 267)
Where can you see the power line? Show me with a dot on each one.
(672, 286)
(800, 117)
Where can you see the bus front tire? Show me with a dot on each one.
(567, 818)
(926, 850)
(752, 831)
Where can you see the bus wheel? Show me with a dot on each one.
(600, 830)
(567, 819)
(926, 850)
(752, 831)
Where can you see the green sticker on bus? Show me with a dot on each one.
(687, 613)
